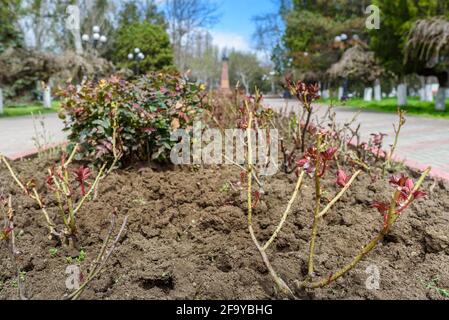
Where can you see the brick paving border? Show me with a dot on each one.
(423, 142)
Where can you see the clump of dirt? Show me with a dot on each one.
(187, 238)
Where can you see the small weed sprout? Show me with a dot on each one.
(53, 252)
(434, 285)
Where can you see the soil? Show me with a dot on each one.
(187, 238)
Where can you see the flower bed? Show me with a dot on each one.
(335, 221)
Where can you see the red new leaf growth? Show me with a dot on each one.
(5, 233)
(306, 93)
(256, 199)
(243, 177)
(309, 160)
(81, 175)
(342, 178)
(406, 195)
(378, 139)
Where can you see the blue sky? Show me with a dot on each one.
(236, 26)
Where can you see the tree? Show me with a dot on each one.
(185, 17)
(204, 60)
(153, 41)
(246, 69)
(138, 11)
(388, 42)
(311, 27)
(427, 51)
(9, 33)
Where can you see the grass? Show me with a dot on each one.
(28, 109)
(414, 106)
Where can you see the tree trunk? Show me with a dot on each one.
(429, 93)
(1, 101)
(340, 93)
(47, 96)
(377, 90)
(440, 101)
(402, 94)
(368, 94)
(422, 91)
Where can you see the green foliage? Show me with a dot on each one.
(53, 252)
(137, 117)
(17, 110)
(246, 69)
(9, 34)
(397, 17)
(311, 29)
(131, 13)
(153, 41)
(414, 106)
(340, 9)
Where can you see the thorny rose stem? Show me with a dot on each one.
(317, 207)
(279, 282)
(392, 217)
(397, 131)
(36, 197)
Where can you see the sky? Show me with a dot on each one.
(236, 27)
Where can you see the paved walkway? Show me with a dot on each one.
(17, 133)
(423, 141)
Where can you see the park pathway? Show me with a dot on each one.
(423, 141)
(17, 133)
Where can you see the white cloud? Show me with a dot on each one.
(230, 40)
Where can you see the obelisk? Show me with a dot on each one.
(224, 83)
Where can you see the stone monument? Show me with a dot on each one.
(224, 82)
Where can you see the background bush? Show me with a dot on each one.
(151, 39)
(142, 113)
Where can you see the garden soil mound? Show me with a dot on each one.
(187, 238)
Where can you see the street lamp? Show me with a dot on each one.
(136, 56)
(94, 39)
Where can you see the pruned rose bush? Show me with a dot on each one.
(311, 166)
(137, 116)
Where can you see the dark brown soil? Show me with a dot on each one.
(187, 239)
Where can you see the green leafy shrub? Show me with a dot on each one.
(151, 39)
(133, 119)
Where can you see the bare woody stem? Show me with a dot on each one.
(303, 138)
(339, 195)
(317, 208)
(286, 212)
(102, 257)
(372, 244)
(249, 170)
(396, 139)
(279, 282)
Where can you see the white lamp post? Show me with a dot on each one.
(95, 38)
(137, 56)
